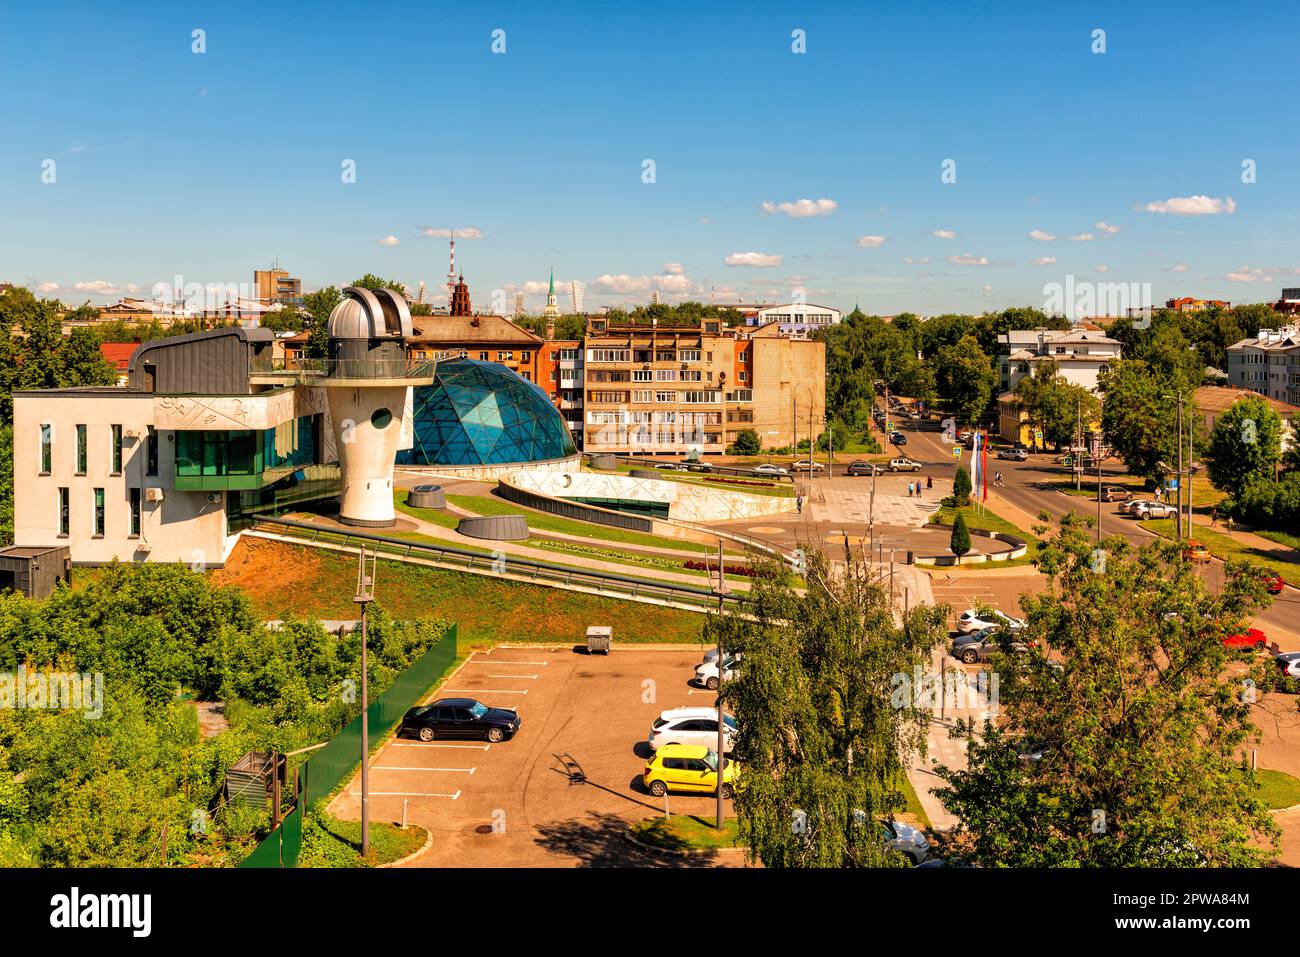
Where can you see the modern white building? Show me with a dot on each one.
(797, 319)
(1080, 355)
(1268, 363)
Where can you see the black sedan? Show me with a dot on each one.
(898, 438)
(460, 718)
(864, 468)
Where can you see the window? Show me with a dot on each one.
(694, 375)
(230, 453)
(665, 396)
(742, 376)
(151, 452)
(665, 375)
(525, 357)
(689, 355)
(64, 513)
(483, 357)
(701, 396)
(116, 432)
(505, 356)
(135, 512)
(665, 355)
(99, 513)
(568, 355)
(643, 395)
(608, 355)
(643, 375)
(47, 448)
(81, 450)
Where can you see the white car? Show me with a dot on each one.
(805, 466)
(1132, 505)
(904, 464)
(767, 468)
(1289, 663)
(907, 840)
(692, 726)
(972, 620)
(1152, 510)
(706, 674)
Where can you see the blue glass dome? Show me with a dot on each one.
(481, 413)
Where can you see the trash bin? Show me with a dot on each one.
(599, 638)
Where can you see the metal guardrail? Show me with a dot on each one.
(499, 563)
(404, 368)
(574, 510)
(710, 468)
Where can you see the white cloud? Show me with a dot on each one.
(98, 287)
(1041, 236)
(917, 261)
(1101, 269)
(988, 290)
(674, 268)
(968, 260)
(1105, 227)
(1045, 261)
(801, 208)
(1190, 206)
(757, 260)
(624, 283)
(1246, 274)
(870, 242)
(1083, 237)
(1180, 267)
(388, 241)
(47, 287)
(944, 234)
(132, 288)
(468, 232)
(705, 221)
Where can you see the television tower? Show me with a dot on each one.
(451, 268)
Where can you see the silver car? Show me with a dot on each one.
(907, 840)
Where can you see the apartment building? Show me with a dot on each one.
(798, 319)
(1189, 304)
(1268, 363)
(676, 389)
(275, 285)
(1080, 354)
(560, 373)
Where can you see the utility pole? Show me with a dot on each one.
(1098, 454)
(1078, 445)
(722, 744)
(1191, 467)
(1179, 523)
(365, 595)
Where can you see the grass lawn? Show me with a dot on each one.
(1279, 789)
(991, 522)
(781, 489)
(683, 832)
(913, 803)
(1225, 546)
(335, 843)
(1282, 538)
(1204, 495)
(281, 579)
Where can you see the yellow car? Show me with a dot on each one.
(1195, 551)
(687, 767)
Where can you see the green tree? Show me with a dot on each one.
(959, 543)
(1123, 748)
(747, 443)
(966, 379)
(1139, 415)
(1246, 444)
(1056, 405)
(826, 729)
(319, 305)
(961, 487)
(371, 281)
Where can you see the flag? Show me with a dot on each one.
(984, 468)
(975, 462)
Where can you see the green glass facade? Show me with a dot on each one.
(231, 459)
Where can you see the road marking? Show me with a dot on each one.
(422, 794)
(485, 690)
(430, 744)
(529, 677)
(392, 767)
(498, 661)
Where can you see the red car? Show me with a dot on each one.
(1272, 582)
(1252, 639)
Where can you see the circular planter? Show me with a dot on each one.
(607, 462)
(499, 528)
(426, 496)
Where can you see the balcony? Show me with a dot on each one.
(291, 370)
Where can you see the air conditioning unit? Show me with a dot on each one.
(143, 547)
(153, 494)
(131, 434)
(214, 498)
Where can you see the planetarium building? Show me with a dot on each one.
(480, 416)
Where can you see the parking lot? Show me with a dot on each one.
(563, 790)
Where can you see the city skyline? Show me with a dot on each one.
(813, 176)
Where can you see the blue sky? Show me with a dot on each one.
(207, 166)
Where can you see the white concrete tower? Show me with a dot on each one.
(367, 378)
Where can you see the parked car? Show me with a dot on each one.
(1289, 663)
(964, 435)
(983, 645)
(460, 718)
(699, 467)
(864, 468)
(706, 674)
(972, 620)
(687, 767)
(1153, 510)
(1252, 639)
(673, 466)
(1017, 455)
(767, 468)
(907, 840)
(691, 726)
(1113, 493)
(904, 464)
(1196, 552)
(1130, 507)
(1273, 583)
(807, 465)
(898, 438)
(712, 655)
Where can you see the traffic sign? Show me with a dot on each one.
(956, 452)
(1173, 484)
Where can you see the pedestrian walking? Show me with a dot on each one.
(929, 481)
(1228, 523)
(798, 503)
(1214, 516)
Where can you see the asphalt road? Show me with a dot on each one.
(1027, 485)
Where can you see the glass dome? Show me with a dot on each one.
(481, 413)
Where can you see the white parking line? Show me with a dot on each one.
(423, 744)
(529, 677)
(485, 690)
(422, 794)
(392, 767)
(499, 661)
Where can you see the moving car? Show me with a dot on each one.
(687, 767)
(460, 718)
(673, 466)
(964, 435)
(706, 674)
(699, 467)
(1252, 639)
(697, 726)
(1196, 552)
(973, 620)
(1130, 507)
(904, 464)
(1152, 510)
(1273, 583)
(864, 468)
(767, 468)
(898, 438)
(1018, 455)
(1289, 663)
(804, 465)
(907, 840)
(1113, 493)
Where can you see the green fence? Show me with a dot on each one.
(333, 764)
